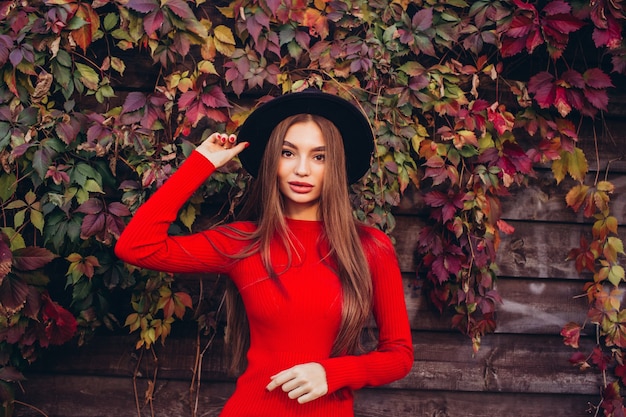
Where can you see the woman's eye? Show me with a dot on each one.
(286, 153)
(320, 157)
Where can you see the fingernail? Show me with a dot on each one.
(247, 144)
(232, 139)
(222, 139)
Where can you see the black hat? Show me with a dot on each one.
(358, 139)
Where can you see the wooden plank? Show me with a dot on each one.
(377, 403)
(528, 306)
(81, 396)
(536, 250)
(443, 361)
(542, 199)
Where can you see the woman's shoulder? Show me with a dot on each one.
(374, 239)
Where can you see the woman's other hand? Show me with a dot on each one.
(303, 383)
(219, 148)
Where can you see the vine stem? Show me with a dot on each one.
(135, 391)
(32, 407)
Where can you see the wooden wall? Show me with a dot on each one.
(522, 370)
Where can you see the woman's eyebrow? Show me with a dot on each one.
(291, 145)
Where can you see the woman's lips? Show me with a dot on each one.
(300, 187)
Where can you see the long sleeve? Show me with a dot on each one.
(145, 241)
(393, 357)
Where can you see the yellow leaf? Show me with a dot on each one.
(225, 49)
(207, 67)
(613, 247)
(576, 196)
(118, 65)
(227, 12)
(224, 35)
(616, 275)
(88, 76)
(188, 216)
(74, 257)
(577, 166)
(559, 169)
(92, 186)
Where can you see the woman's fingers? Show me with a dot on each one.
(219, 148)
(304, 382)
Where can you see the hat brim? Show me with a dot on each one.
(352, 124)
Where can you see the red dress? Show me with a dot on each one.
(291, 325)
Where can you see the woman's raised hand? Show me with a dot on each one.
(219, 148)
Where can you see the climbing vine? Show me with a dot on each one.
(86, 136)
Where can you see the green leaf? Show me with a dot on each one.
(8, 185)
(87, 76)
(110, 21)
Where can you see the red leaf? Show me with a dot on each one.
(512, 46)
(598, 98)
(600, 359)
(520, 26)
(571, 333)
(31, 258)
(525, 6)
(542, 86)
(562, 23)
(60, 323)
(596, 78)
(215, 98)
(573, 78)
(556, 7)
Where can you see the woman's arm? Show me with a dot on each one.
(393, 357)
(145, 241)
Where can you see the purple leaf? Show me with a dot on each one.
(143, 6)
(153, 22)
(118, 209)
(134, 101)
(186, 99)
(92, 225)
(91, 206)
(6, 258)
(180, 8)
(423, 20)
(31, 258)
(215, 98)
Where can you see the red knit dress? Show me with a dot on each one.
(291, 325)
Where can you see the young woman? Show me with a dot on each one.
(306, 276)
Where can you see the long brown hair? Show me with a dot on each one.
(265, 206)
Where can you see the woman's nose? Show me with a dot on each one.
(302, 167)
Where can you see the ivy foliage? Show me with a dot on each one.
(102, 99)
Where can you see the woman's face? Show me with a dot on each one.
(301, 170)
